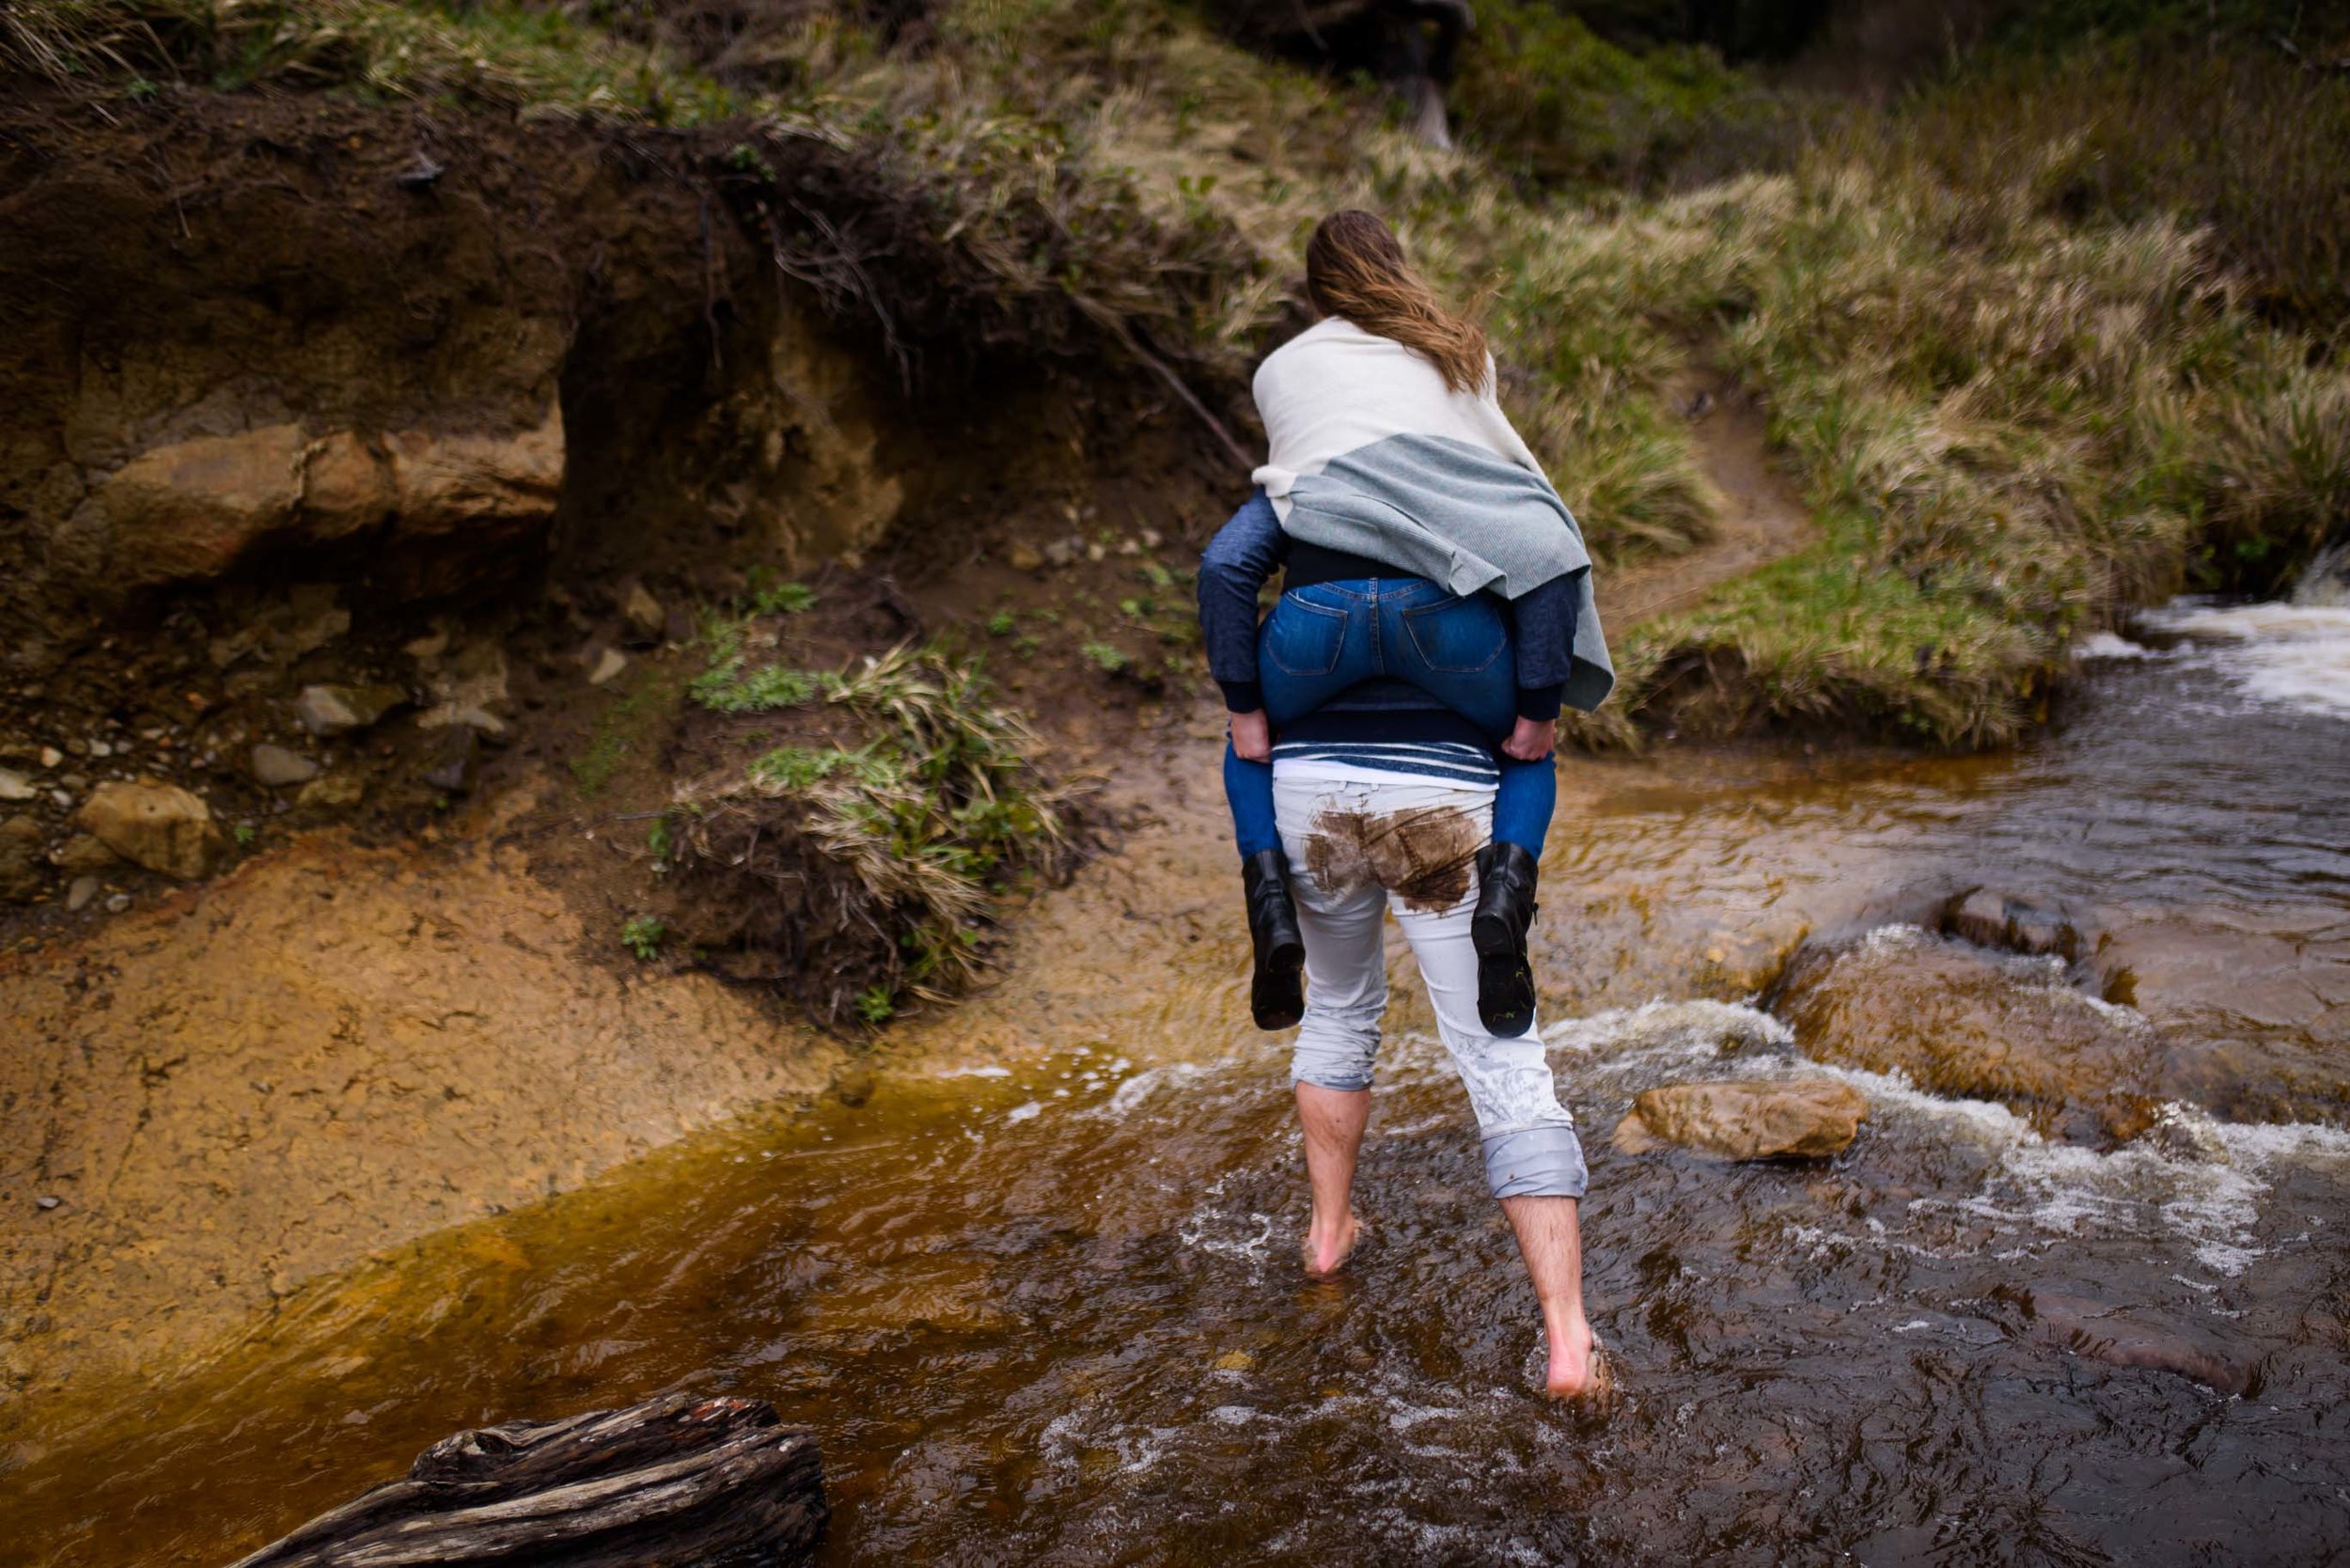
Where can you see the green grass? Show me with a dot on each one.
(623, 728)
(938, 813)
(2015, 335)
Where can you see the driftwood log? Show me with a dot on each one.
(682, 1480)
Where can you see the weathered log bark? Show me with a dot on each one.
(682, 1480)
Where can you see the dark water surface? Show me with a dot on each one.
(1055, 1314)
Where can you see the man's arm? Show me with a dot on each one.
(1238, 562)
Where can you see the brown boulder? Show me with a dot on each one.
(190, 508)
(160, 826)
(1962, 1022)
(1747, 1119)
(444, 484)
(346, 485)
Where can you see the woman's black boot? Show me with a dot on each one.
(1277, 995)
(1505, 912)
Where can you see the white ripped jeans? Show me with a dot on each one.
(1357, 847)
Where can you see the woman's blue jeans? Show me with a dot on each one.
(1322, 639)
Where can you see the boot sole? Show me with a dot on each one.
(1277, 995)
(1505, 980)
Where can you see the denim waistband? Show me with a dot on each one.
(1402, 592)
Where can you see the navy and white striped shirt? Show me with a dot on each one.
(1445, 761)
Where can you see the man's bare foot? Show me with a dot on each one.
(1578, 1368)
(1326, 1251)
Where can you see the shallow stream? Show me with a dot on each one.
(1050, 1310)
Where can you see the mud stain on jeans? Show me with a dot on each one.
(1425, 855)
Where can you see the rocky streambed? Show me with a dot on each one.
(2069, 1291)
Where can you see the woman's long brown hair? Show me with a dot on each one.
(1355, 268)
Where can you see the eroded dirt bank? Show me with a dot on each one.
(332, 1049)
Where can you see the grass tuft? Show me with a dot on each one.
(939, 813)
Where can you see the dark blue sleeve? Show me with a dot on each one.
(1239, 560)
(1543, 625)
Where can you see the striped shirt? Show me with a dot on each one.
(1335, 761)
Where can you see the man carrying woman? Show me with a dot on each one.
(1392, 723)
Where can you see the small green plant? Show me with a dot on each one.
(876, 1004)
(1109, 659)
(745, 159)
(1002, 623)
(660, 841)
(796, 767)
(727, 687)
(781, 598)
(245, 833)
(642, 934)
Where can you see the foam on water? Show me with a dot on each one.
(2193, 1178)
(2106, 645)
(2294, 655)
(1661, 1029)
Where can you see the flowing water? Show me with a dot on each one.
(1048, 1309)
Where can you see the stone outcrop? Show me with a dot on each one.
(1963, 1021)
(160, 826)
(192, 510)
(1753, 1118)
(189, 509)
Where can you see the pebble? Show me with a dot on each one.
(608, 664)
(1023, 556)
(46, 1203)
(51, 757)
(274, 767)
(120, 903)
(333, 789)
(77, 897)
(335, 710)
(643, 612)
(15, 786)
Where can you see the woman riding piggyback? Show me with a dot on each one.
(1438, 607)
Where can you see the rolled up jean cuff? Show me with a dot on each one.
(1537, 1162)
(1342, 1081)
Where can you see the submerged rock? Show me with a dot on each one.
(1962, 1022)
(1753, 1118)
(160, 826)
(1990, 919)
(2120, 1338)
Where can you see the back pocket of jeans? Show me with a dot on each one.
(1301, 638)
(1459, 637)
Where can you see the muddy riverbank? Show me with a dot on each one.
(1036, 1294)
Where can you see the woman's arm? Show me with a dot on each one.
(1543, 630)
(1238, 561)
